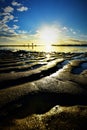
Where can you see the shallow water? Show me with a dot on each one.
(80, 68)
(21, 66)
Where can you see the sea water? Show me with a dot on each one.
(65, 49)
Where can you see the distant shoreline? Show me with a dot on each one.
(17, 45)
(70, 45)
(38, 45)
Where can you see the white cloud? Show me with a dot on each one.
(74, 32)
(65, 28)
(14, 3)
(22, 32)
(3, 26)
(4, 13)
(23, 8)
(7, 31)
(71, 29)
(16, 20)
(11, 17)
(15, 27)
(7, 18)
(8, 9)
(11, 31)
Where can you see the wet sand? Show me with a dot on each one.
(43, 91)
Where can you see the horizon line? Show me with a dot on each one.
(44, 45)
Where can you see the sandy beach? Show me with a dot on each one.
(43, 91)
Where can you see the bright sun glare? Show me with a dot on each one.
(48, 35)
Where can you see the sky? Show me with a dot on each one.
(27, 21)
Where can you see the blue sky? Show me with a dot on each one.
(21, 21)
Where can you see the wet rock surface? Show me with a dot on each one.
(43, 90)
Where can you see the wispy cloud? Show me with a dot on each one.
(5, 30)
(15, 27)
(8, 9)
(3, 26)
(22, 32)
(73, 42)
(74, 32)
(7, 18)
(14, 3)
(7, 15)
(20, 7)
(83, 36)
(65, 28)
(15, 20)
(23, 8)
(7, 33)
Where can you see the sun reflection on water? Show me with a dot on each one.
(48, 48)
(48, 56)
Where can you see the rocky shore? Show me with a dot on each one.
(43, 91)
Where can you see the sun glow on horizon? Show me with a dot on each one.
(48, 35)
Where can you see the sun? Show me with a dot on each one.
(48, 35)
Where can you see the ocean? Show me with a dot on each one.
(65, 49)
